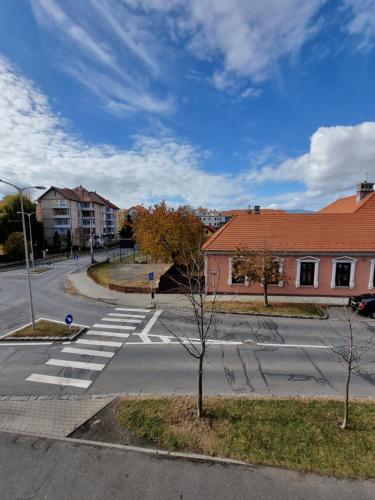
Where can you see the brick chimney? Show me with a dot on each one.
(364, 189)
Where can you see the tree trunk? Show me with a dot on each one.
(265, 288)
(345, 422)
(200, 388)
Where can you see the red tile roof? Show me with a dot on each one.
(349, 204)
(296, 233)
(239, 211)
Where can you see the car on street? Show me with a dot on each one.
(364, 304)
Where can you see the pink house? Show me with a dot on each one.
(330, 253)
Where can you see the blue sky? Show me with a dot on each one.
(205, 102)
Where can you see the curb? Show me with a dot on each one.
(157, 453)
(326, 315)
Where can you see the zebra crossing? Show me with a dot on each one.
(81, 360)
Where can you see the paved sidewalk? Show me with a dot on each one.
(85, 286)
(62, 469)
(48, 417)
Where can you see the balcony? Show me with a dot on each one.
(60, 204)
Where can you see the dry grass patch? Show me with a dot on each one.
(299, 434)
(277, 309)
(45, 328)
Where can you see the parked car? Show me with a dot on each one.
(364, 304)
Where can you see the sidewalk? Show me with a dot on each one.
(83, 285)
(65, 469)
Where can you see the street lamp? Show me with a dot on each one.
(31, 235)
(20, 191)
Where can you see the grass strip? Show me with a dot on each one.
(45, 328)
(278, 309)
(300, 434)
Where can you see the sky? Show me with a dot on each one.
(214, 103)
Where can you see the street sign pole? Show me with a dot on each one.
(152, 293)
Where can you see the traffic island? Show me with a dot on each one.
(45, 329)
(301, 434)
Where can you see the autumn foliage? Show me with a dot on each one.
(167, 234)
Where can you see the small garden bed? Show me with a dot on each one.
(299, 434)
(299, 310)
(45, 330)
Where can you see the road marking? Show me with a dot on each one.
(99, 342)
(295, 345)
(108, 334)
(127, 315)
(49, 379)
(144, 334)
(14, 344)
(115, 327)
(76, 364)
(122, 320)
(88, 352)
(132, 310)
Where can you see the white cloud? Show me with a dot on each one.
(248, 36)
(339, 158)
(35, 149)
(362, 22)
(104, 66)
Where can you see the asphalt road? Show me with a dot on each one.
(285, 357)
(38, 468)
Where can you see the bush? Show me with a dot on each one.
(14, 246)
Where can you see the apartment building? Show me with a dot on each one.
(79, 211)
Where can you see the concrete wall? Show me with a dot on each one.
(217, 277)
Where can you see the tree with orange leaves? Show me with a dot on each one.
(167, 234)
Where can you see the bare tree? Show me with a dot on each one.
(349, 351)
(191, 283)
(259, 266)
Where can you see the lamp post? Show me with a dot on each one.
(20, 191)
(31, 236)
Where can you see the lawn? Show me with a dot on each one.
(276, 309)
(299, 434)
(45, 328)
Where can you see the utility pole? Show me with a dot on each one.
(91, 240)
(20, 191)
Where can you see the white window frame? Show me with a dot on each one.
(230, 269)
(372, 271)
(344, 260)
(280, 260)
(310, 259)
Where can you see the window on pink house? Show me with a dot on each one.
(343, 273)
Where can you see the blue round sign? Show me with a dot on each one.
(69, 319)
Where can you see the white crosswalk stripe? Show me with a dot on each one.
(127, 315)
(127, 309)
(75, 364)
(104, 326)
(122, 320)
(49, 379)
(108, 334)
(88, 352)
(99, 342)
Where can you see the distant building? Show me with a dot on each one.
(211, 217)
(133, 212)
(80, 211)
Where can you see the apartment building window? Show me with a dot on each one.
(343, 272)
(60, 211)
(62, 222)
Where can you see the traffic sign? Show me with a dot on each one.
(69, 319)
(151, 276)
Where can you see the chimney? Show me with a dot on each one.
(364, 189)
(256, 209)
